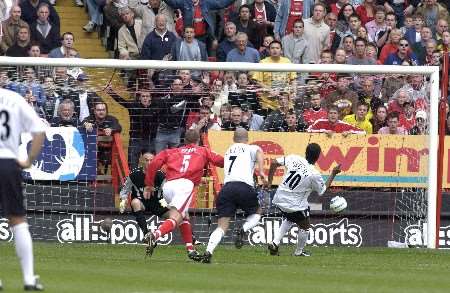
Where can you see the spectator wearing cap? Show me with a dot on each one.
(235, 121)
(10, 27)
(255, 122)
(45, 32)
(30, 12)
(242, 52)
(421, 127)
(148, 11)
(392, 125)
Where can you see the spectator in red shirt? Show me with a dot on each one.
(398, 101)
(407, 119)
(333, 125)
(315, 112)
(366, 11)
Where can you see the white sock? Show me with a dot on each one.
(24, 250)
(302, 237)
(215, 239)
(285, 226)
(251, 222)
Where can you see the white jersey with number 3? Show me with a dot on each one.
(300, 179)
(239, 163)
(16, 117)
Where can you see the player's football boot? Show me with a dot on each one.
(273, 249)
(206, 257)
(36, 287)
(194, 255)
(302, 253)
(239, 242)
(151, 243)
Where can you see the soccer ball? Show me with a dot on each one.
(338, 204)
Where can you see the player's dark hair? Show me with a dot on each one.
(191, 136)
(312, 153)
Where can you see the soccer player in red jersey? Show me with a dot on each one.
(184, 170)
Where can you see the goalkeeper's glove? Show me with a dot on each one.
(122, 206)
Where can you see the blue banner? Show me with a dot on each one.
(68, 153)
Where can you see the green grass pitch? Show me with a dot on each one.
(123, 268)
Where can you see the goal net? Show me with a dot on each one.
(383, 133)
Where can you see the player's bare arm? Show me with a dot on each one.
(260, 166)
(336, 170)
(36, 145)
(273, 167)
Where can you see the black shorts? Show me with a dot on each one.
(153, 206)
(11, 196)
(234, 195)
(297, 216)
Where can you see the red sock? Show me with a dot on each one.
(186, 233)
(166, 227)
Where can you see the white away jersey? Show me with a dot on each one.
(16, 117)
(239, 163)
(299, 180)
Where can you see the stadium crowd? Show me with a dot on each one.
(358, 32)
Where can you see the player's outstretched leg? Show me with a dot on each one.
(273, 247)
(37, 286)
(302, 237)
(214, 240)
(250, 222)
(186, 233)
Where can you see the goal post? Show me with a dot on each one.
(432, 231)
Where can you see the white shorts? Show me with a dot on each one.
(178, 194)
